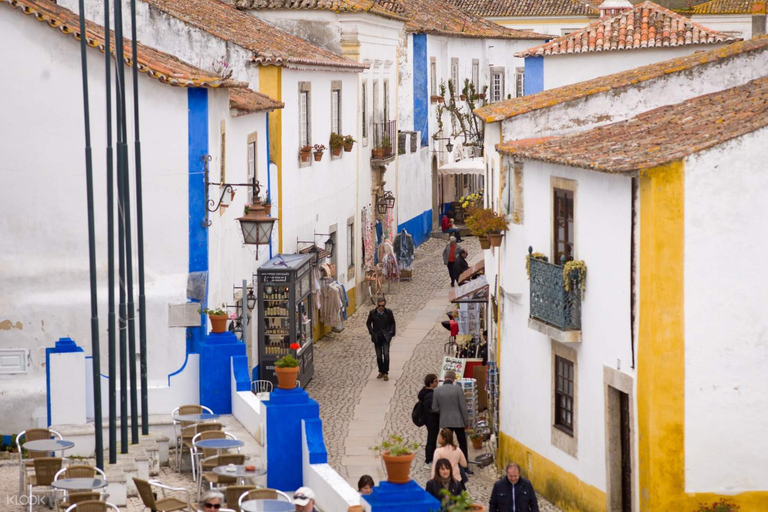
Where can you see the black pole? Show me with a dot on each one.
(91, 249)
(110, 249)
(139, 231)
(121, 171)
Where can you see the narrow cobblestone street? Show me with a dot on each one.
(357, 409)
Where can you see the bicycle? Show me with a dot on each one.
(373, 284)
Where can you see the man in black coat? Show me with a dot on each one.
(513, 493)
(381, 326)
(460, 265)
(432, 419)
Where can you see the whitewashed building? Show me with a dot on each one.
(613, 399)
(739, 18)
(625, 37)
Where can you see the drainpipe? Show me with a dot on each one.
(269, 182)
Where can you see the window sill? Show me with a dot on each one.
(563, 429)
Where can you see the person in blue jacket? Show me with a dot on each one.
(513, 493)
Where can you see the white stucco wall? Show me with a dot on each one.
(414, 183)
(45, 231)
(726, 347)
(557, 26)
(602, 213)
(562, 70)
(738, 25)
(619, 104)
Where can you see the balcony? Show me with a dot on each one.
(384, 136)
(555, 311)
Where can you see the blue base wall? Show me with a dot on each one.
(534, 75)
(419, 227)
(389, 497)
(215, 370)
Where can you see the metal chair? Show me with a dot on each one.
(180, 426)
(32, 434)
(233, 492)
(76, 497)
(77, 471)
(205, 453)
(45, 471)
(262, 494)
(163, 504)
(92, 506)
(261, 386)
(213, 479)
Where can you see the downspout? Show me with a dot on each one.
(269, 179)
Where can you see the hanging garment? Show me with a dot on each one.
(404, 250)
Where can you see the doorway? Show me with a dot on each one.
(626, 455)
(619, 446)
(435, 195)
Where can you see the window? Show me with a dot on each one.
(564, 393)
(497, 84)
(364, 108)
(519, 82)
(336, 108)
(563, 225)
(351, 247)
(376, 107)
(455, 76)
(304, 118)
(223, 149)
(251, 158)
(476, 74)
(386, 101)
(433, 77)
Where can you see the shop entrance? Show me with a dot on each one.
(619, 445)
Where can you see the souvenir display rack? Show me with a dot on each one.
(469, 386)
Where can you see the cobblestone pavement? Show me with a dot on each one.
(343, 362)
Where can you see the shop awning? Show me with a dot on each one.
(475, 270)
(475, 290)
(465, 166)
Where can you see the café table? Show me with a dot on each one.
(48, 445)
(219, 444)
(238, 471)
(267, 506)
(197, 418)
(79, 484)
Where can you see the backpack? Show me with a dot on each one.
(418, 415)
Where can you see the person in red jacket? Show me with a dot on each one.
(446, 224)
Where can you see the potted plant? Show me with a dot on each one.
(719, 506)
(460, 503)
(434, 98)
(348, 143)
(397, 455)
(318, 150)
(304, 153)
(267, 204)
(386, 144)
(477, 441)
(483, 221)
(336, 143)
(287, 370)
(575, 273)
(496, 226)
(217, 316)
(463, 97)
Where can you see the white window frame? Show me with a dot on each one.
(433, 77)
(304, 118)
(364, 110)
(385, 99)
(497, 84)
(455, 76)
(251, 161)
(519, 82)
(336, 111)
(476, 74)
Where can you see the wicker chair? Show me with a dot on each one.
(189, 434)
(78, 471)
(179, 427)
(76, 497)
(25, 465)
(262, 494)
(213, 479)
(234, 492)
(45, 471)
(164, 504)
(92, 506)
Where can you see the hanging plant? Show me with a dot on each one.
(578, 269)
(536, 256)
(484, 220)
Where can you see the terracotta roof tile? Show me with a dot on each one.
(647, 25)
(524, 8)
(657, 137)
(247, 101)
(729, 7)
(518, 106)
(269, 44)
(387, 8)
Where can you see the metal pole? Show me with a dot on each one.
(121, 171)
(91, 248)
(244, 309)
(139, 231)
(110, 250)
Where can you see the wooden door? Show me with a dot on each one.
(626, 455)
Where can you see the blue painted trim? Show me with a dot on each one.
(101, 374)
(240, 369)
(197, 103)
(419, 227)
(420, 88)
(313, 429)
(389, 497)
(186, 358)
(534, 75)
(62, 346)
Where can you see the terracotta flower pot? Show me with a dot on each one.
(495, 239)
(286, 377)
(398, 467)
(378, 153)
(218, 322)
(476, 507)
(267, 208)
(440, 99)
(304, 155)
(485, 242)
(348, 147)
(477, 443)
(337, 151)
(318, 155)
(463, 97)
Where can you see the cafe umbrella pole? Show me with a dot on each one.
(96, 362)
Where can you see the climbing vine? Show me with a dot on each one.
(575, 270)
(536, 256)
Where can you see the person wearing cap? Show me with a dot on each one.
(450, 253)
(304, 500)
(448, 400)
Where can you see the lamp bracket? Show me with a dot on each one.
(212, 205)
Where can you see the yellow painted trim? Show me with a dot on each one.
(271, 84)
(352, 298)
(562, 488)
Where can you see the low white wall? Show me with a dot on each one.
(67, 373)
(250, 411)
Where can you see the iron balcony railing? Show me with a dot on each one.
(550, 302)
(384, 136)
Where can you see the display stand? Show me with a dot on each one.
(469, 386)
(285, 314)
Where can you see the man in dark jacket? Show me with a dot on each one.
(460, 265)
(448, 400)
(432, 419)
(513, 493)
(381, 326)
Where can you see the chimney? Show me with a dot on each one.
(758, 18)
(611, 8)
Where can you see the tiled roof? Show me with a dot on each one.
(657, 137)
(269, 44)
(444, 18)
(726, 7)
(247, 101)
(387, 8)
(154, 63)
(647, 25)
(518, 106)
(526, 8)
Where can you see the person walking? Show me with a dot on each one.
(382, 328)
(513, 493)
(449, 451)
(460, 265)
(448, 400)
(432, 419)
(443, 479)
(450, 253)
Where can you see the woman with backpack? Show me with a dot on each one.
(423, 415)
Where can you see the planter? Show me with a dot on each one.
(267, 209)
(440, 99)
(318, 155)
(398, 467)
(434, 99)
(495, 239)
(387, 151)
(218, 322)
(463, 97)
(286, 377)
(485, 242)
(304, 155)
(336, 151)
(477, 443)
(475, 507)
(348, 147)
(378, 153)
